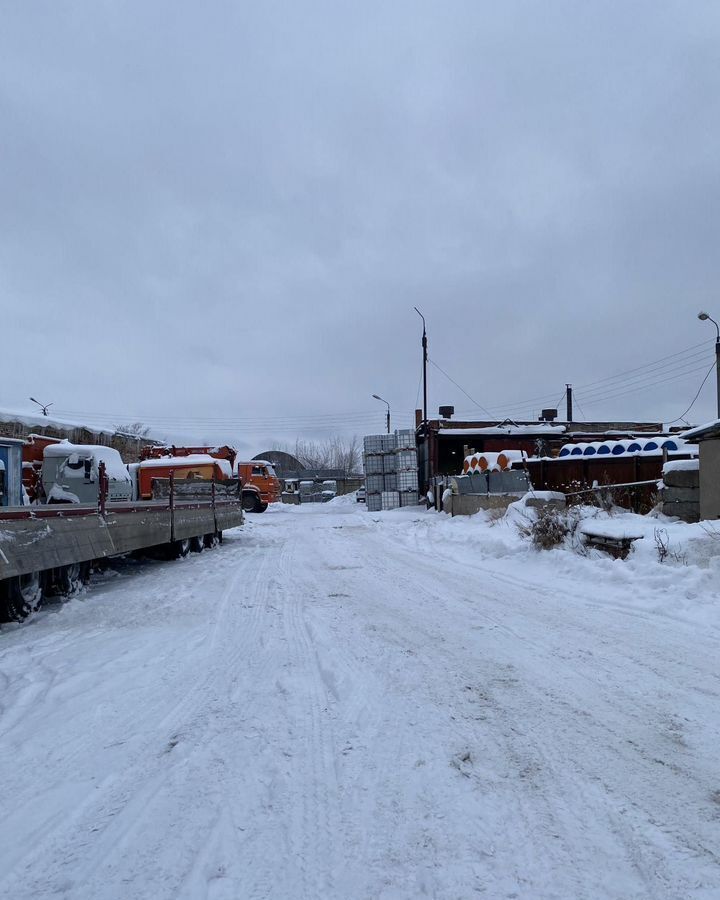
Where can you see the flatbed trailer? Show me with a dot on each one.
(52, 547)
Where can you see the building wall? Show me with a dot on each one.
(128, 446)
(710, 479)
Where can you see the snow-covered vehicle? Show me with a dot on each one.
(71, 473)
(89, 514)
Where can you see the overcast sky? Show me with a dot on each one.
(226, 211)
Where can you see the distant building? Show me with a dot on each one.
(448, 441)
(291, 472)
(20, 426)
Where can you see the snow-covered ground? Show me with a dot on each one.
(338, 704)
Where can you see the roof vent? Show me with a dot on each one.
(548, 415)
(446, 412)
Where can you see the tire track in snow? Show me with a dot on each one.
(122, 804)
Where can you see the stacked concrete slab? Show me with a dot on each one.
(681, 490)
(391, 474)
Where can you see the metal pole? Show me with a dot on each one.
(388, 419)
(425, 418)
(568, 399)
(717, 371)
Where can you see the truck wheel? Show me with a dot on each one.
(20, 596)
(197, 544)
(251, 502)
(71, 578)
(177, 549)
(211, 540)
(263, 507)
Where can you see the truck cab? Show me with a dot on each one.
(260, 485)
(71, 473)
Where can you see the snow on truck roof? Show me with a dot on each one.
(114, 465)
(192, 459)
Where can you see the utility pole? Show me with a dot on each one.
(705, 317)
(568, 399)
(425, 418)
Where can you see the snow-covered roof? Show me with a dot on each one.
(703, 432)
(32, 421)
(534, 430)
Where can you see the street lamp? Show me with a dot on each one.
(375, 397)
(704, 317)
(43, 406)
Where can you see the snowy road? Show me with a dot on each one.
(341, 705)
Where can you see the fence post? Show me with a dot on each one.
(102, 488)
(171, 505)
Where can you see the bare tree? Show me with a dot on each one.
(333, 453)
(136, 429)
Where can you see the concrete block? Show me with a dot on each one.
(469, 504)
(681, 495)
(682, 478)
(688, 512)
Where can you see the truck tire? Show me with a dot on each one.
(251, 501)
(70, 579)
(20, 596)
(263, 507)
(197, 544)
(213, 539)
(178, 549)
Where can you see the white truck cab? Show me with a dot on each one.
(70, 473)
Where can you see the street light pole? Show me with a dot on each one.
(425, 418)
(703, 316)
(387, 419)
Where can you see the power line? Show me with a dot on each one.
(702, 385)
(472, 399)
(645, 366)
(594, 401)
(650, 376)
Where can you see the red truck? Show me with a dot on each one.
(260, 484)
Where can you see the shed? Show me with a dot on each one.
(708, 437)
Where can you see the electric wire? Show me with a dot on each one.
(702, 385)
(596, 401)
(472, 399)
(648, 377)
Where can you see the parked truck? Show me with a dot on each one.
(260, 484)
(90, 511)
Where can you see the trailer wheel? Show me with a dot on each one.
(197, 544)
(20, 596)
(176, 549)
(70, 579)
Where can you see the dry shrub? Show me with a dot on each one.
(549, 529)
